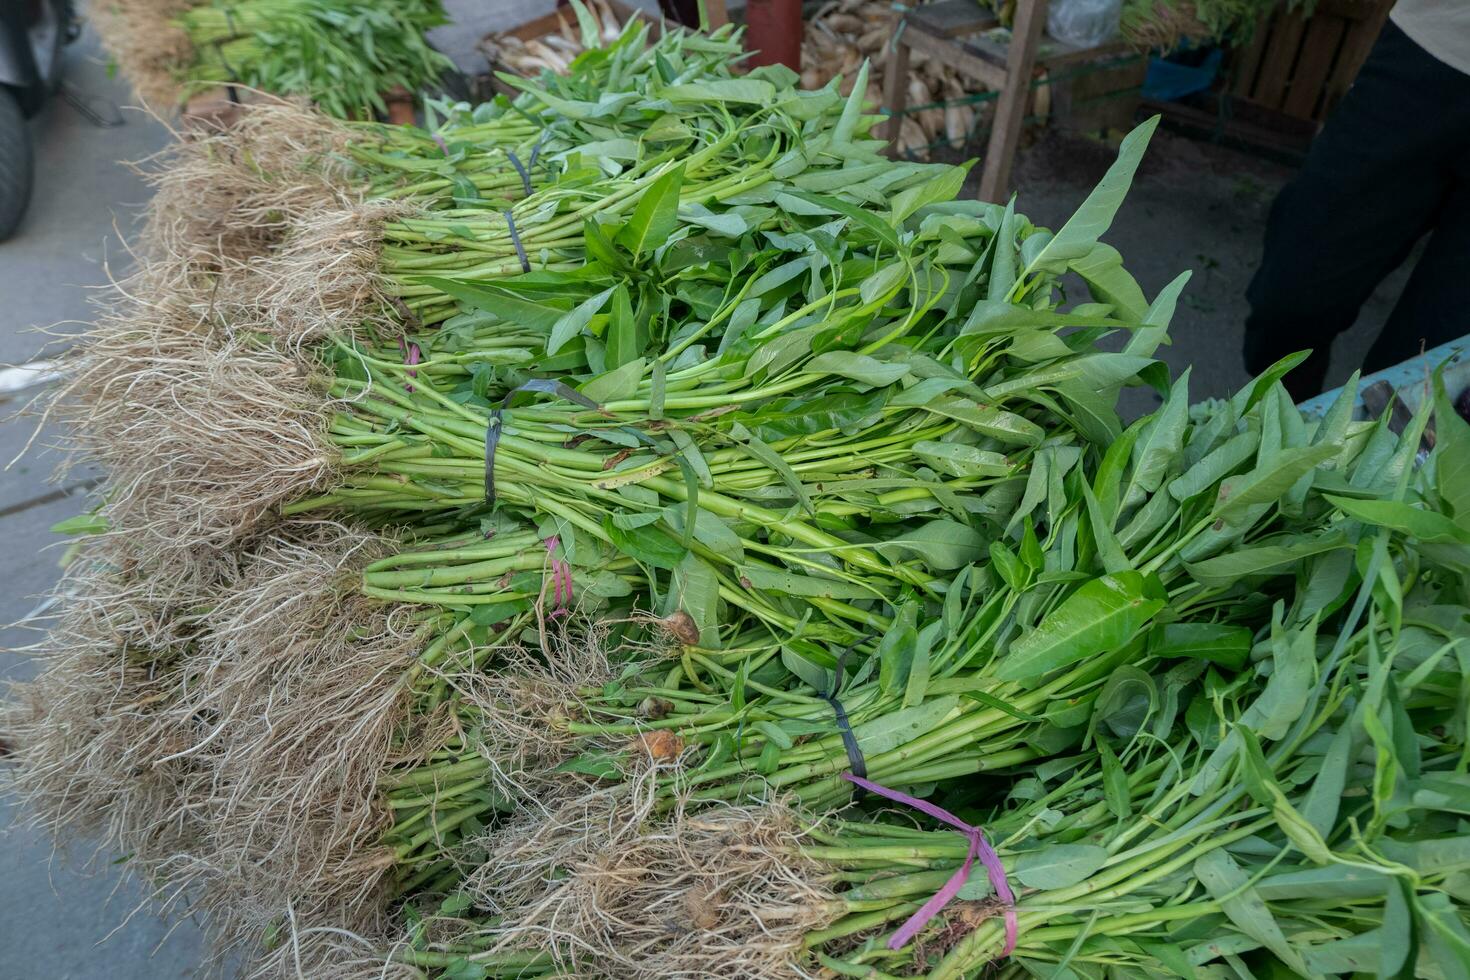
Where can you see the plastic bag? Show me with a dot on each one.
(1083, 23)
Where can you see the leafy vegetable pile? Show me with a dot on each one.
(652, 456)
(342, 55)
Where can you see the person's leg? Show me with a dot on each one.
(1370, 187)
(1435, 306)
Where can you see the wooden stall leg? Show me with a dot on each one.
(1010, 108)
(895, 91)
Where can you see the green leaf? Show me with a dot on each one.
(1446, 939)
(1102, 615)
(1331, 881)
(648, 544)
(988, 420)
(506, 303)
(1147, 339)
(657, 214)
(813, 674)
(1108, 282)
(1280, 555)
(1451, 454)
(1218, 643)
(881, 283)
(621, 338)
(461, 968)
(943, 187)
(1012, 570)
(594, 762)
(888, 731)
(456, 904)
(1059, 865)
(858, 367)
(957, 459)
(858, 218)
(1425, 525)
(1081, 232)
(1172, 958)
(574, 322)
(696, 590)
(1157, 449)
(1231, 887)
(1323, 800)
(997, 316)
(1268, 482)
(942, 544)
(1108, 481)
(918, 682)
(709, 530)
(750, 90)
(1126, 702)
(1294, 659)
(1261, 784)
(757, 449)
(1398, 946)
(895, 650)
(1215, 465)
(1108, 549)
(587, 23)
(773, 732)
(1242, 401)
(81, 524)
(785, 581)
(1115, 782)
(600, 248)
(490, 613)
(852, 109)
(615, 385)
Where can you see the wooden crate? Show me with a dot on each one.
(1300, 67)
(957, 33)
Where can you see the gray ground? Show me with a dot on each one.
(1197, 207)
(1193, 206)
(53, 919)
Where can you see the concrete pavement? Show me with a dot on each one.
(55, 920)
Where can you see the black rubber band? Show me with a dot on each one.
(536, 150)
(230, 92)
(855, 758)
(493, 427)
(515, 161)
(515, 239)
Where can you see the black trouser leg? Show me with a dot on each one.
(1379, 176)
(1435, 306)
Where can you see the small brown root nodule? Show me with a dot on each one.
(660, 746)
(680, 625)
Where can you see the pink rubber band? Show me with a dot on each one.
(979, 847)
(411, 355)
(561, 579)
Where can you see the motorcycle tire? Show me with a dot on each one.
(17, 164)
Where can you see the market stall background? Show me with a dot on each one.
(1192, 205)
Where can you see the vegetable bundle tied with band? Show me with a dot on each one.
(661, 536)
(343, 56)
